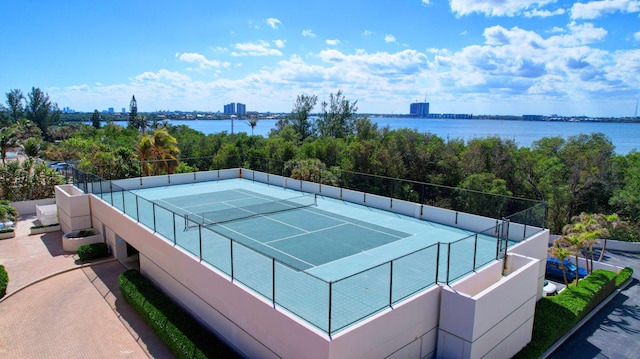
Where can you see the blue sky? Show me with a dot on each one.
(464, 56)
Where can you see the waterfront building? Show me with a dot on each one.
(281, 267)
(241, 108)
(419, 109)
(230, 109)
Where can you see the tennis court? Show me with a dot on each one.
(328, 238)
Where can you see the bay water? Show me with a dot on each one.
(624, 136)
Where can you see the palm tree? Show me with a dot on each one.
(253, 122)
(157, 152)
(145, 154)
(8, 140)
(32, 147)
(560, 251)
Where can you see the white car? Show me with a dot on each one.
(549, 288)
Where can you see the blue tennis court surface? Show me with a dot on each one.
(328, 238)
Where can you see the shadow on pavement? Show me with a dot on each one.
(107, 274)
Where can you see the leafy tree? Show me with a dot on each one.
(95, 119)
(27, 180)
(338, 116)
(626, 196)
(133, 109)
(15, 100)
(41, 111)
(140, 123)
(310, 170)
(588, 162)
(299, 117)
(7, 211)
(8, 140)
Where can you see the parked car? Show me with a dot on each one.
(549, 289)
(60, 166)
(554, 270)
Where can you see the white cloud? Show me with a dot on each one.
(425, 2)
(308, 33)
(512, 66)
(332, 42)
(596, 9)
(201, 60)
(279, 43)
(543, 13)
(273, 22)
(389, 38)
(495, 7)
(261, 48)
(367, 33)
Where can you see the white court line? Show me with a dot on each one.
(359, 225)
(368, 252)
(306, 232)
(261, 243)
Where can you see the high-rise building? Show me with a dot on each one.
(419, 109)
(230, 109)
(241, 108)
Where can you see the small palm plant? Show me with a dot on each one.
(561, 251)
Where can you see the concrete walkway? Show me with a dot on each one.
(58, 307)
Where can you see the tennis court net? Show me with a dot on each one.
(241, 212)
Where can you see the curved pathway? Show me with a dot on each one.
(58, 308)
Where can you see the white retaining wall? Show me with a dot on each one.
(73, 208)
(494, 321)
(29, 207)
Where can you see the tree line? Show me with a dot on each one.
(574, 175)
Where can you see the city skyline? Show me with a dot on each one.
(511, 57)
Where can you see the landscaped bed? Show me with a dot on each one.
(556, 315)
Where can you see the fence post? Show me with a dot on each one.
(475, 251)
(330, 291)
(390, 283)
(273, 281)
(437, 262)
(448, 260)
(174, 229)
(231, 253)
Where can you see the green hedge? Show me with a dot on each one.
(556, 315)
(180, 332)
(4, 281)
(7, 230)
(91, 251)
(44, 226)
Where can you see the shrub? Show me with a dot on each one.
(44, 226)
(178, 330)
(623, 276)
(86, 233)
(556, 315)
(91, 251)
(4, 281)
(6, 230)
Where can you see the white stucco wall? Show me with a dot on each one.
(493, 323)
(73, 208)
(247, 320)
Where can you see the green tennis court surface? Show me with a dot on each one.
(331, 240)
(301, 237)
